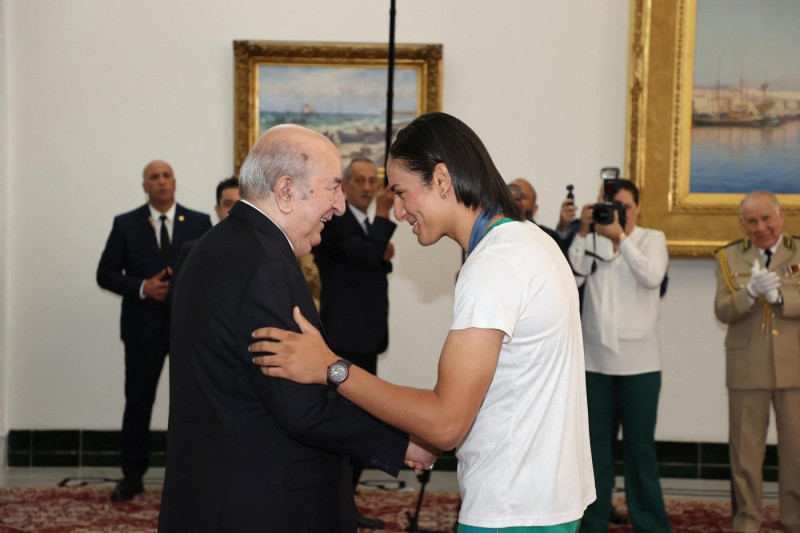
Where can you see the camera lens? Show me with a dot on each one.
(602, 214)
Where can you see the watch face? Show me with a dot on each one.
(337, 372)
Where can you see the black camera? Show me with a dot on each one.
(603, 213)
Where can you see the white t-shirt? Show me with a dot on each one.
(526, 460)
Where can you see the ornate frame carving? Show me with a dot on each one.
(661, 57)
(249, 55)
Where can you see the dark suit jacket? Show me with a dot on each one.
(132, 255)
(354, 303)
(247, 453)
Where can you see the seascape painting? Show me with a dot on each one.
(346, 104)
(746, 97)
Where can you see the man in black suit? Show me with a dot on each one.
(247, 453)
(353, 260)
(227, 196)
(137, 264)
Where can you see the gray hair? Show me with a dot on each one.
(356, 160)
(267, 162)
(775, 204)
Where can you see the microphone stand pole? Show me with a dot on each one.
(390, 89)
(425, 475)
(413, 520)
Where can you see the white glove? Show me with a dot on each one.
(763, 283)
(773, 295)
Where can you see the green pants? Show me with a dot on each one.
(631, 401)
(569, 527)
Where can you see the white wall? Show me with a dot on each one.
(99, 87)
(4, 203)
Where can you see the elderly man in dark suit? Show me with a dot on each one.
(137, 265)
(247, 453)
(353, 260)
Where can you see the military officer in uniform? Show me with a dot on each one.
(758, 296)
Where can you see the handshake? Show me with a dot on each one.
(763, 283)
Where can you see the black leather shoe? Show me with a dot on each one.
(617, 518)
(126, 489)
(368, 522)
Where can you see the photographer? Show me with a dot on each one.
(622, 269)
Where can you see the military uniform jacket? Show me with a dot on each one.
(762, 346)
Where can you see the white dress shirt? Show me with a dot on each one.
(622, 300)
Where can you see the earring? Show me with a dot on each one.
(444, 195)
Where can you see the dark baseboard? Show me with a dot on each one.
(75, 448)
(65, 448)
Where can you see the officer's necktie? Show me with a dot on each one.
(768, 253)
(164, 240)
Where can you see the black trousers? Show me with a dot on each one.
(143, 364)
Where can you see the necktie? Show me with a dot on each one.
(768, 253)
(164, 239)
(367, 225)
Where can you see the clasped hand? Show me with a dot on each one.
(157, 287)
(763, 283)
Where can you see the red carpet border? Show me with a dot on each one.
(88, 510)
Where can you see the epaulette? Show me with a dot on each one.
(733, 243)
(789, 241)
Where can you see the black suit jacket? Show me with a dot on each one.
(247, 453)
(132, 255)
(354, 303)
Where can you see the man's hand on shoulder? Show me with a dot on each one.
(155, 287)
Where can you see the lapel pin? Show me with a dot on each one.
(180, 218)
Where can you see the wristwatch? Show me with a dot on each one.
(338, 372)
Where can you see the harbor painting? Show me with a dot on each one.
(337, 89)
(746, 97)
(346, 104)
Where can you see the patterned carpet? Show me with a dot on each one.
(88, 510)
(688, 516)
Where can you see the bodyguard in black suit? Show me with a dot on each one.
(353, 260)
(136, 264)
(247, 453)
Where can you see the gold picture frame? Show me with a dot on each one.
(418, 77)
(658, 144)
